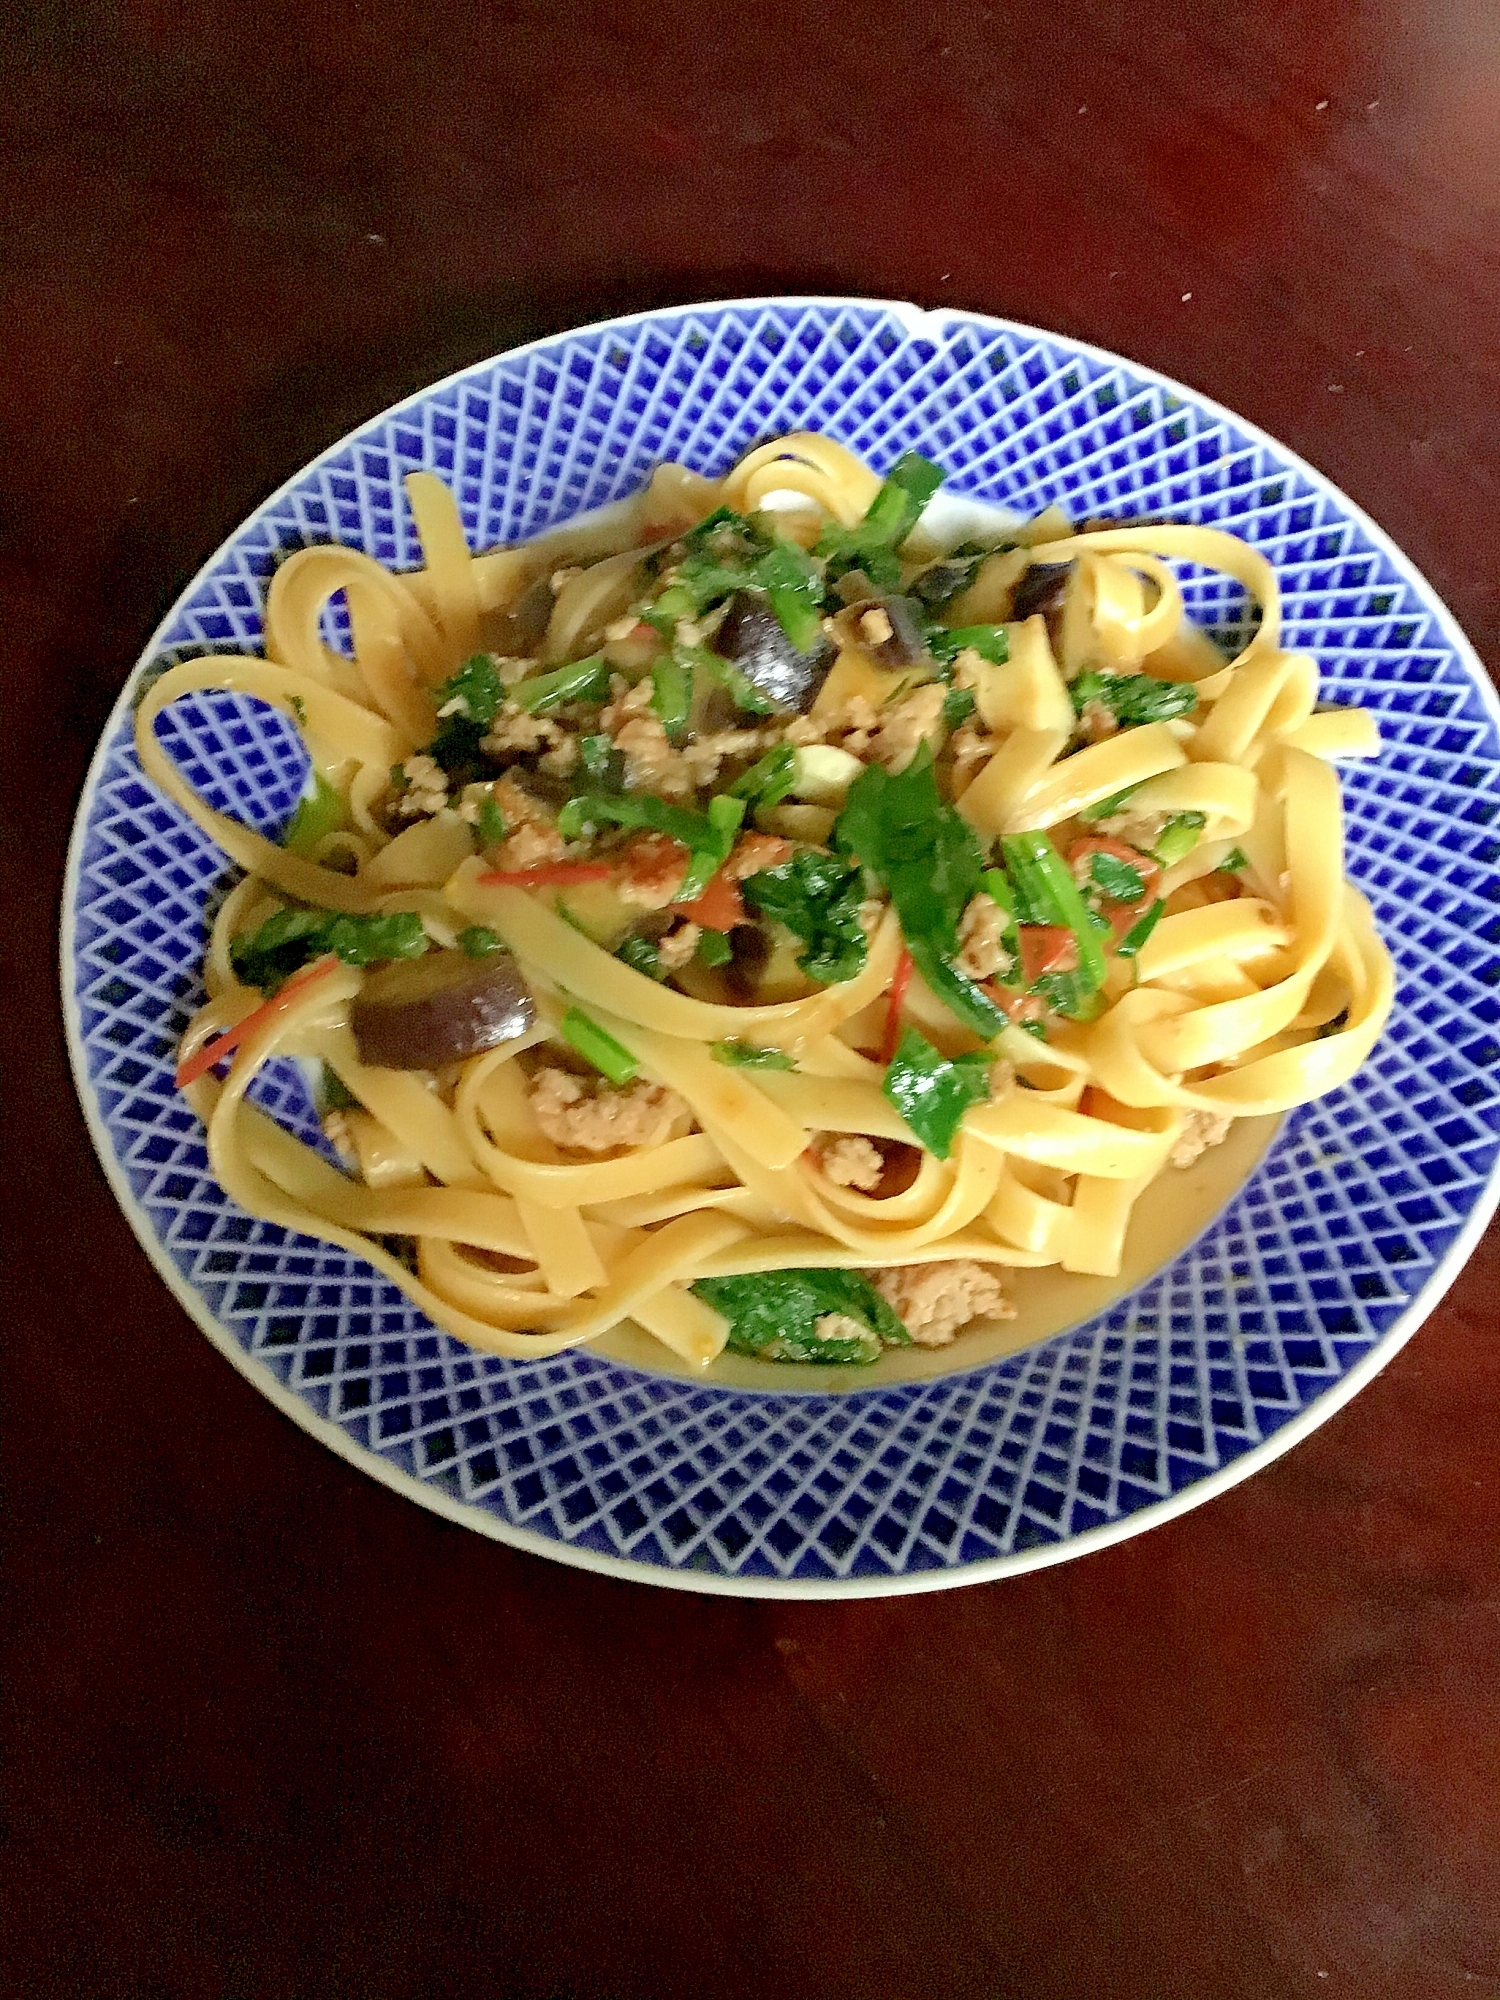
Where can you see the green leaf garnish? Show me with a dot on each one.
(775, 1314)
(932, 1092)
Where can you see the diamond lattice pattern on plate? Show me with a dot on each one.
(1361, 1197)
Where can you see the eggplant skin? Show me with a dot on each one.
(1041, 590)
(421, 1013)
(751, 636)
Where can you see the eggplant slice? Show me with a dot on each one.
(420, 1013)
(1041, 589)
(752, 638)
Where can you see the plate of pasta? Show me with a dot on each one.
(799, 947)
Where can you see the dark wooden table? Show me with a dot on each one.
(276, 1732)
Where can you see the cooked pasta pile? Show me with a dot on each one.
(746, 916)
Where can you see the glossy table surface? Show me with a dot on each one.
(273, 1730)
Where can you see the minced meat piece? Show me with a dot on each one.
(604, 1119)
(754, 852)
(1096, 721)
(651, 871)
(678, 946)
(901, 728)
(703, 757)
(1202, 1130)
(857, 715)
(426, 788)
(651, 764)
(560, 760)
(936, 1301)
(969, 747)
(851, 1161)
(515, 733)
(532, 845)
(1141, 830)
(840, 1326)
(533, 840)
(981, 939)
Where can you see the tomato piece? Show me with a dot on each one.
(899, 983)
(551, 874)
(719, 908)
(205, 1058)
(1016, 1007)
(1047, 948)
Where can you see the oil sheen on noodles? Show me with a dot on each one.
(1252, 994)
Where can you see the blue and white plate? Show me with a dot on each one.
(1331, 1255)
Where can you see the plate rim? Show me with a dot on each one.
(920, 322)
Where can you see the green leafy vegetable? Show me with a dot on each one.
(491, 821)
(945, 643)
(613, 1062)
(793, 584)
(714, 948)
(928, 858)
(749, 1055)
(775, 1314)
(581, 680)
(1116, 879)
(479, 941)
(319, 813)
(477, 691)
(334, 1094)
(1179, 837)
(1140, 930)
(942, 581)
(817, 896)
(769, 778)
(672, 695)
(1047, 894)
(708, 837)
(958, 706)
(1069, 993)
(741, 690)
(1233, 862)
(996, 885)
(892, 514)
(293, 938)
(642, 956)
(673, 603)
(728, 553)
(1133, 698)
(602, 763)
(931, 1092)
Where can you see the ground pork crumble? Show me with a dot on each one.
(678, 945)
(890, 736)
(937, 1301)
(981, 939)
(602, 1119)
(426, 790)
(849, 1160)
(1201, 1130)
(840, 1326)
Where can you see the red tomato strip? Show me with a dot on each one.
(552, 874)
(900, 980)
(222, 1045)
(719, 908)
(1047, 948)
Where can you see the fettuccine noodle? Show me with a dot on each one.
(761, 1109)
